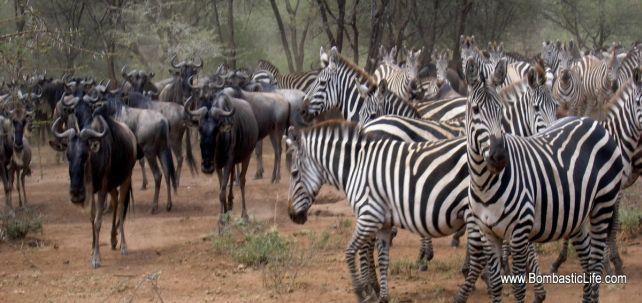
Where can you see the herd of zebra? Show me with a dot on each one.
(495, 158)
(487, 150)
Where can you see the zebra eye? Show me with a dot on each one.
(475, 109)
(536, 107)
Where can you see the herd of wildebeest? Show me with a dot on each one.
(510, 149)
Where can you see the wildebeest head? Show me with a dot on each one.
(82, 144)
(187, 69)
(214, 123)
(21, 119)
(138, 79)
(237, 78)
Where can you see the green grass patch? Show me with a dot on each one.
(630, 222)
(17, 225)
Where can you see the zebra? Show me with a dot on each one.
(567, 88)
(381, 102)
(598, 81)
(298, 80)
(468, 50)
(517, 65)
(431, 176)
(550, 54)
(402, 81)
(628, 65)
(336, 87)
(624, 123)
(448, 83)
(561, 183)
(412, 130)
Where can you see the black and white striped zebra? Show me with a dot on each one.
(624, 123)
(337, 87)
(423, 188)
(412, 130)
(379, 101)
(402, 81)
(298, 80)
(561, 183)
(598, 82)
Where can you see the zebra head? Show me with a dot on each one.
(411, 69)
(543, 105)
(322, 94)
(441, 63)
(550, 54)
(484, 120)
(373, 101)
(495, 51)
(389, 58)
(305, 179)
(468, 49)
(613, 62)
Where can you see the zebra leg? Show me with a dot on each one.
(533, 266)
(505, 256)
(385, 236)
(425, 253)
(367, 267)
(599, 235)
(519, 247)
(455, 241)
(561, 258)
(364, 232)
(582, 244)
(613, 250)
(477, 260)
(258, 150)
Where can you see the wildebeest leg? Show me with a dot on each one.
(97, 221)
(258, 150)
(123, 201)
(114, 224)
(244, 166)
(153, 166)
(7, 188)
(275, 137)
(177, 149)
(141, 162)
(223, 177)
(22, 200)
(230, 195)
(167, 184)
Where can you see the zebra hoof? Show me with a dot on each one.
(539, 298)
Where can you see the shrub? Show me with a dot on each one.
(630, 221)
(17, 225)
(259, 249)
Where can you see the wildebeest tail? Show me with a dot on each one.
(191, 162)
(128, 196)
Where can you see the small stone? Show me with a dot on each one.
(66, 262)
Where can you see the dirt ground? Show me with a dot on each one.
(172, 257)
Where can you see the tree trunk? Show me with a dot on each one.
(355, 33)
(341, 23)
(231, 60)
(375, 34)
(284, 39)
(464, 9)
(326, 24)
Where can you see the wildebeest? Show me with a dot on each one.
(272, 113)
(176, 116)
(228, 133)
(180, 88)
(21, 159)
(138, 81)
(6, 153)
(152, 133)
(101, 154)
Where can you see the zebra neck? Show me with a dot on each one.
(337, 159)
(348, 98)
(621, 123)
(482, 181)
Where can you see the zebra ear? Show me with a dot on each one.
(362, 88)
(637, 76)
(382, 88)
(393, 52)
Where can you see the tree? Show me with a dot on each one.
(376, 33)
(295, 63)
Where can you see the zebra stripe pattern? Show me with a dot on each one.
(380, 102)
(337, 86)
(402, 81)
(300, 80)
(412, 130)
(572, 172)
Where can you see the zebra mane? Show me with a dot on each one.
(618, 95)
(267, 65)
(508, 92)
(517, 56)
(363, 75)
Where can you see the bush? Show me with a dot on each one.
(18, 225)
(630, 222)
(259, 249)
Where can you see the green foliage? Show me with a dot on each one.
(18, 225)
(404, 268)
(630, 221)
(260, 249)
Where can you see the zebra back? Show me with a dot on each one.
(412, 130)
(380, 102)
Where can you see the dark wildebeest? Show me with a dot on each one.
(176, 116)
(6, 153)
(180, 88)
(228, 132)
(138, 81)
(272, 113)
(19, 168)
(101, 154)
(152, 133)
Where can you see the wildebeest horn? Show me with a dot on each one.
(200, 62)
(70, 103)
(189, 81)
(67, 133)
(221, 112)
(90, 99)
(123, 71)
(174, 64)
(91, 133)
(199, 112)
